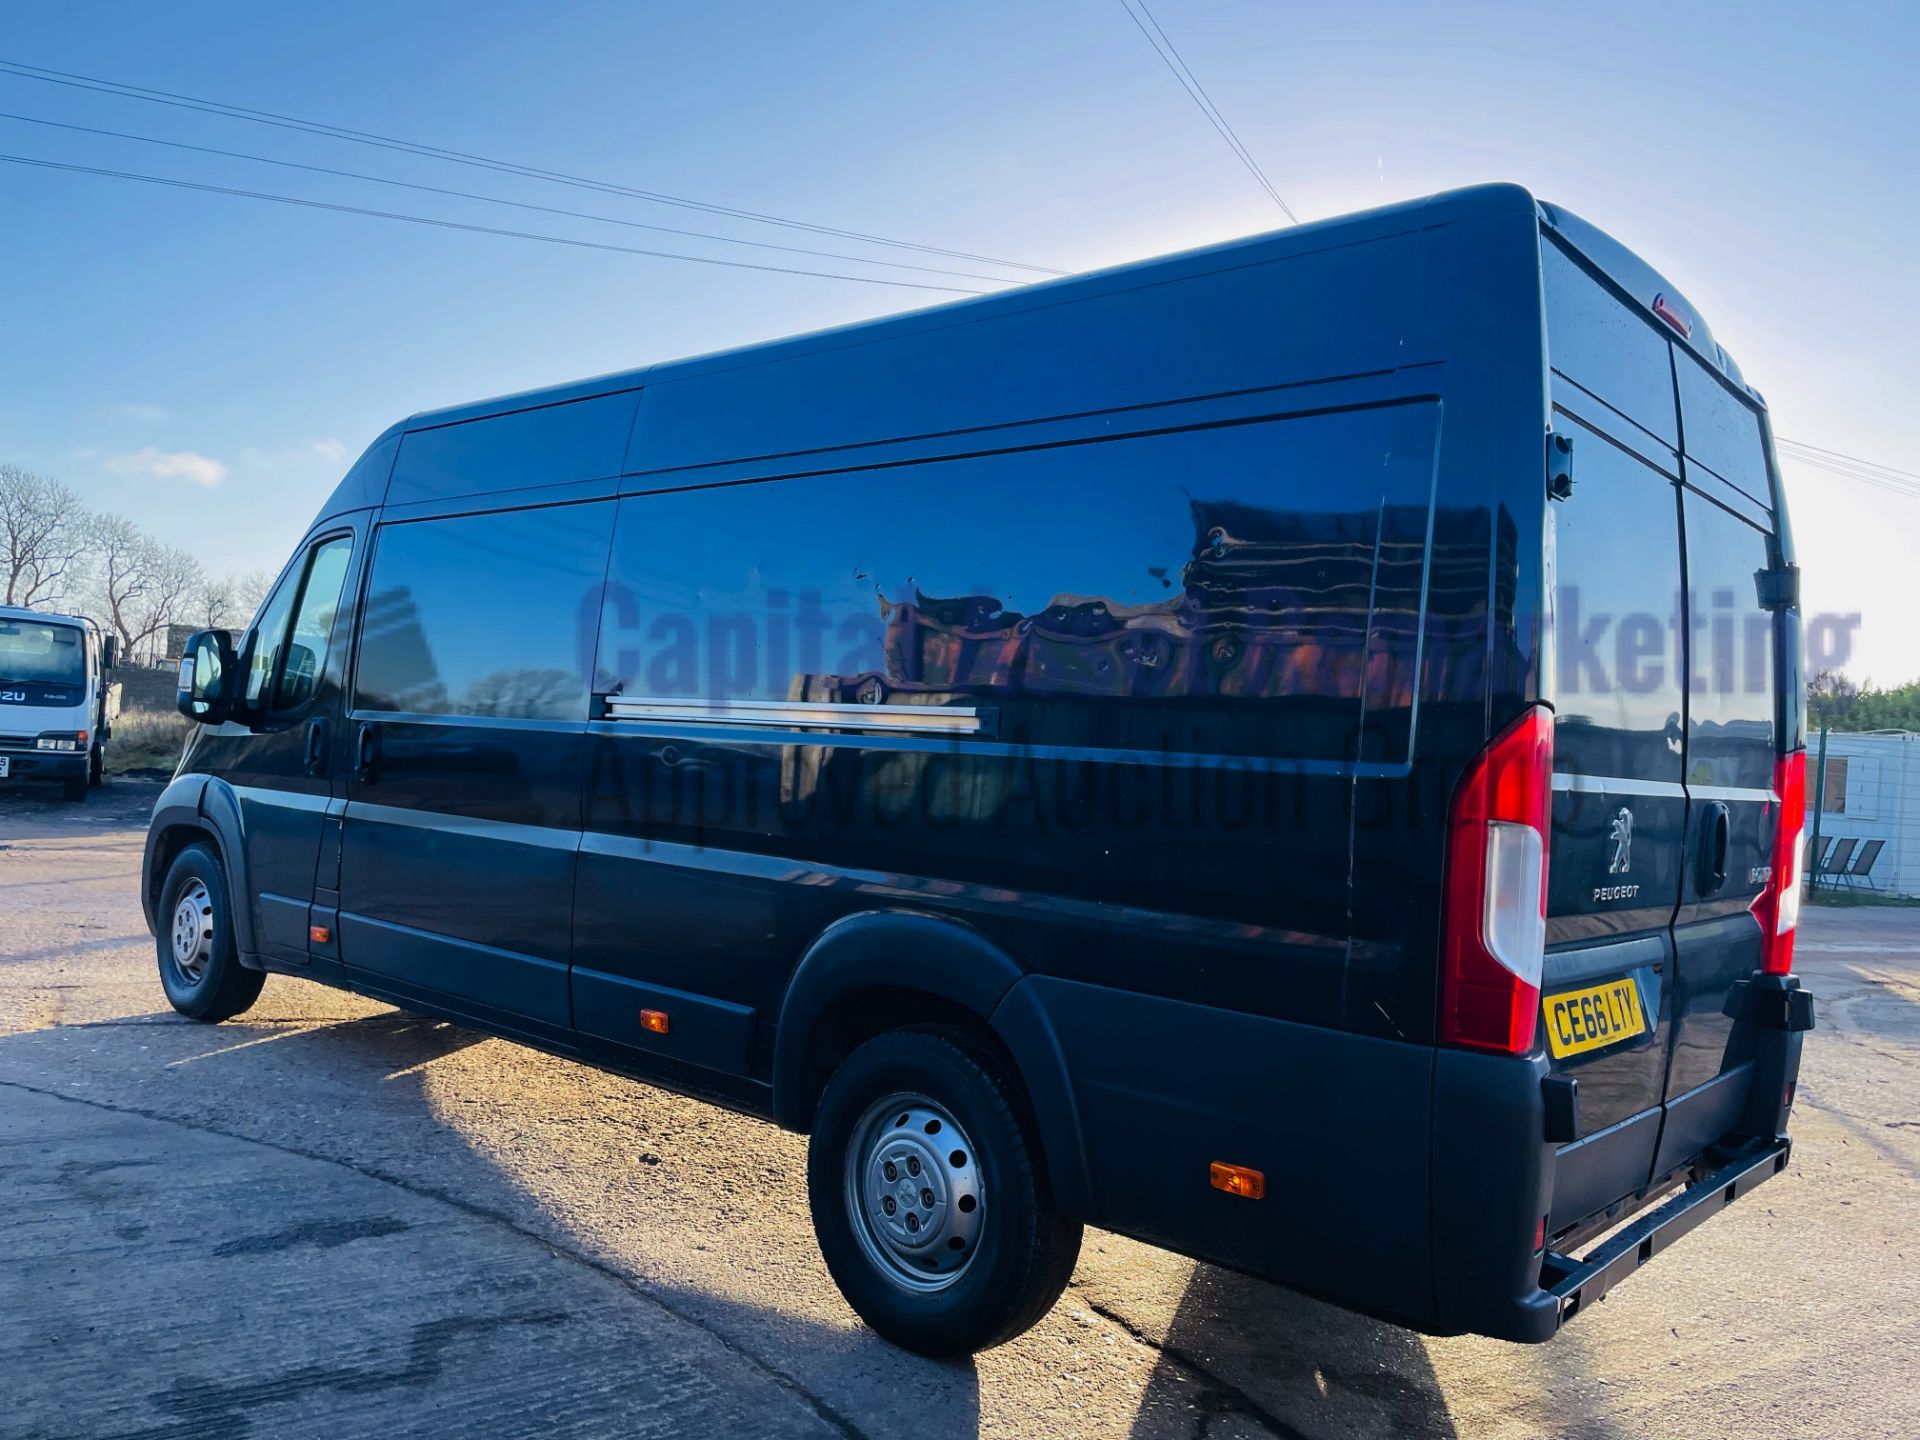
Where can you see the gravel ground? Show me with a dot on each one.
(331, 1218)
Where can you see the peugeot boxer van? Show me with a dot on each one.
(1291, 751)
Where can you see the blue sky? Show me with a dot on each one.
(208, 365)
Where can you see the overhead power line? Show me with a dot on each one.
(476, 229)
(1851, 467)
(497, 199)
(1172, 59)
(1874, 465)
(461, 157)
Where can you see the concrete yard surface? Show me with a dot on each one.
(328, 1218)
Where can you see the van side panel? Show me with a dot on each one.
(1196, 628)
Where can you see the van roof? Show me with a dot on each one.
(1639, 281)
(1340, 230)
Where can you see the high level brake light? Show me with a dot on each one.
(1495, 920)
(1777, 906)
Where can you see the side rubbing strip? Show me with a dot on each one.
(802, 715)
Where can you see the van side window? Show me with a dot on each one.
(1174, 591)
(263, 648)
(485, 614)
(282, 666)
(305, 653)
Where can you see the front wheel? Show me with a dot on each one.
(200, 967)
(930, 1196)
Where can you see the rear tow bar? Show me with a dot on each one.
(1586, 1281)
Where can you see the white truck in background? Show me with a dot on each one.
(57, 706)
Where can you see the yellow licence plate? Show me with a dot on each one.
(1589, 1019)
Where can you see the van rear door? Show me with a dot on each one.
(1731, 746)
(1618, 846)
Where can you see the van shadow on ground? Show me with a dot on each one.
(1239, 1357)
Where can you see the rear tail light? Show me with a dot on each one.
(1777, 907)
(1495, 917)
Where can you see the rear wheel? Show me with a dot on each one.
(200, 968)
(930, 1196)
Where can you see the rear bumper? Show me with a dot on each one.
(44, 765)
(1575, 1284)
(1495, 1177)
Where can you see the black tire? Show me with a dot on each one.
(97, 766)
(215, 986)
(1024, 1250)
(74, 787)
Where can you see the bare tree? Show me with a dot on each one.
(141, 586)
(250, 589)
(214, 605)
(231, 600)
(43, 538)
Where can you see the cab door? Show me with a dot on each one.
(469, 722)
(281, 759)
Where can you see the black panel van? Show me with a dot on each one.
(1291, 751)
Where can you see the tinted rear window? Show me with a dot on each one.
(1605, 348)
(1723, 432)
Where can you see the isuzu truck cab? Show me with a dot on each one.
(56, 705)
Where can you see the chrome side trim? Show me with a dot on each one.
(800, 714)
(1618, 785)
(1670, 789)
(1730, 792)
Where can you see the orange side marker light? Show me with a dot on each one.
(1241, 1180)
(654, 1020)
(319, 935)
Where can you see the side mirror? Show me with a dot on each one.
(208, 674)
(109, 652)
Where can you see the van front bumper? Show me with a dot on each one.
(44, 765)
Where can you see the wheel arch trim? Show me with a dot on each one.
(951, 963)
(204, 806)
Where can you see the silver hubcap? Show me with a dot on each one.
(914, 1191)
(192, 933)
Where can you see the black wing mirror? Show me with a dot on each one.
(109, 652)
(209, 673)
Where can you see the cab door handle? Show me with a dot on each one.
(366, 751)
(317, 745)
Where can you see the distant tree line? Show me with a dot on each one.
(1840, 704)
(55, 554)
